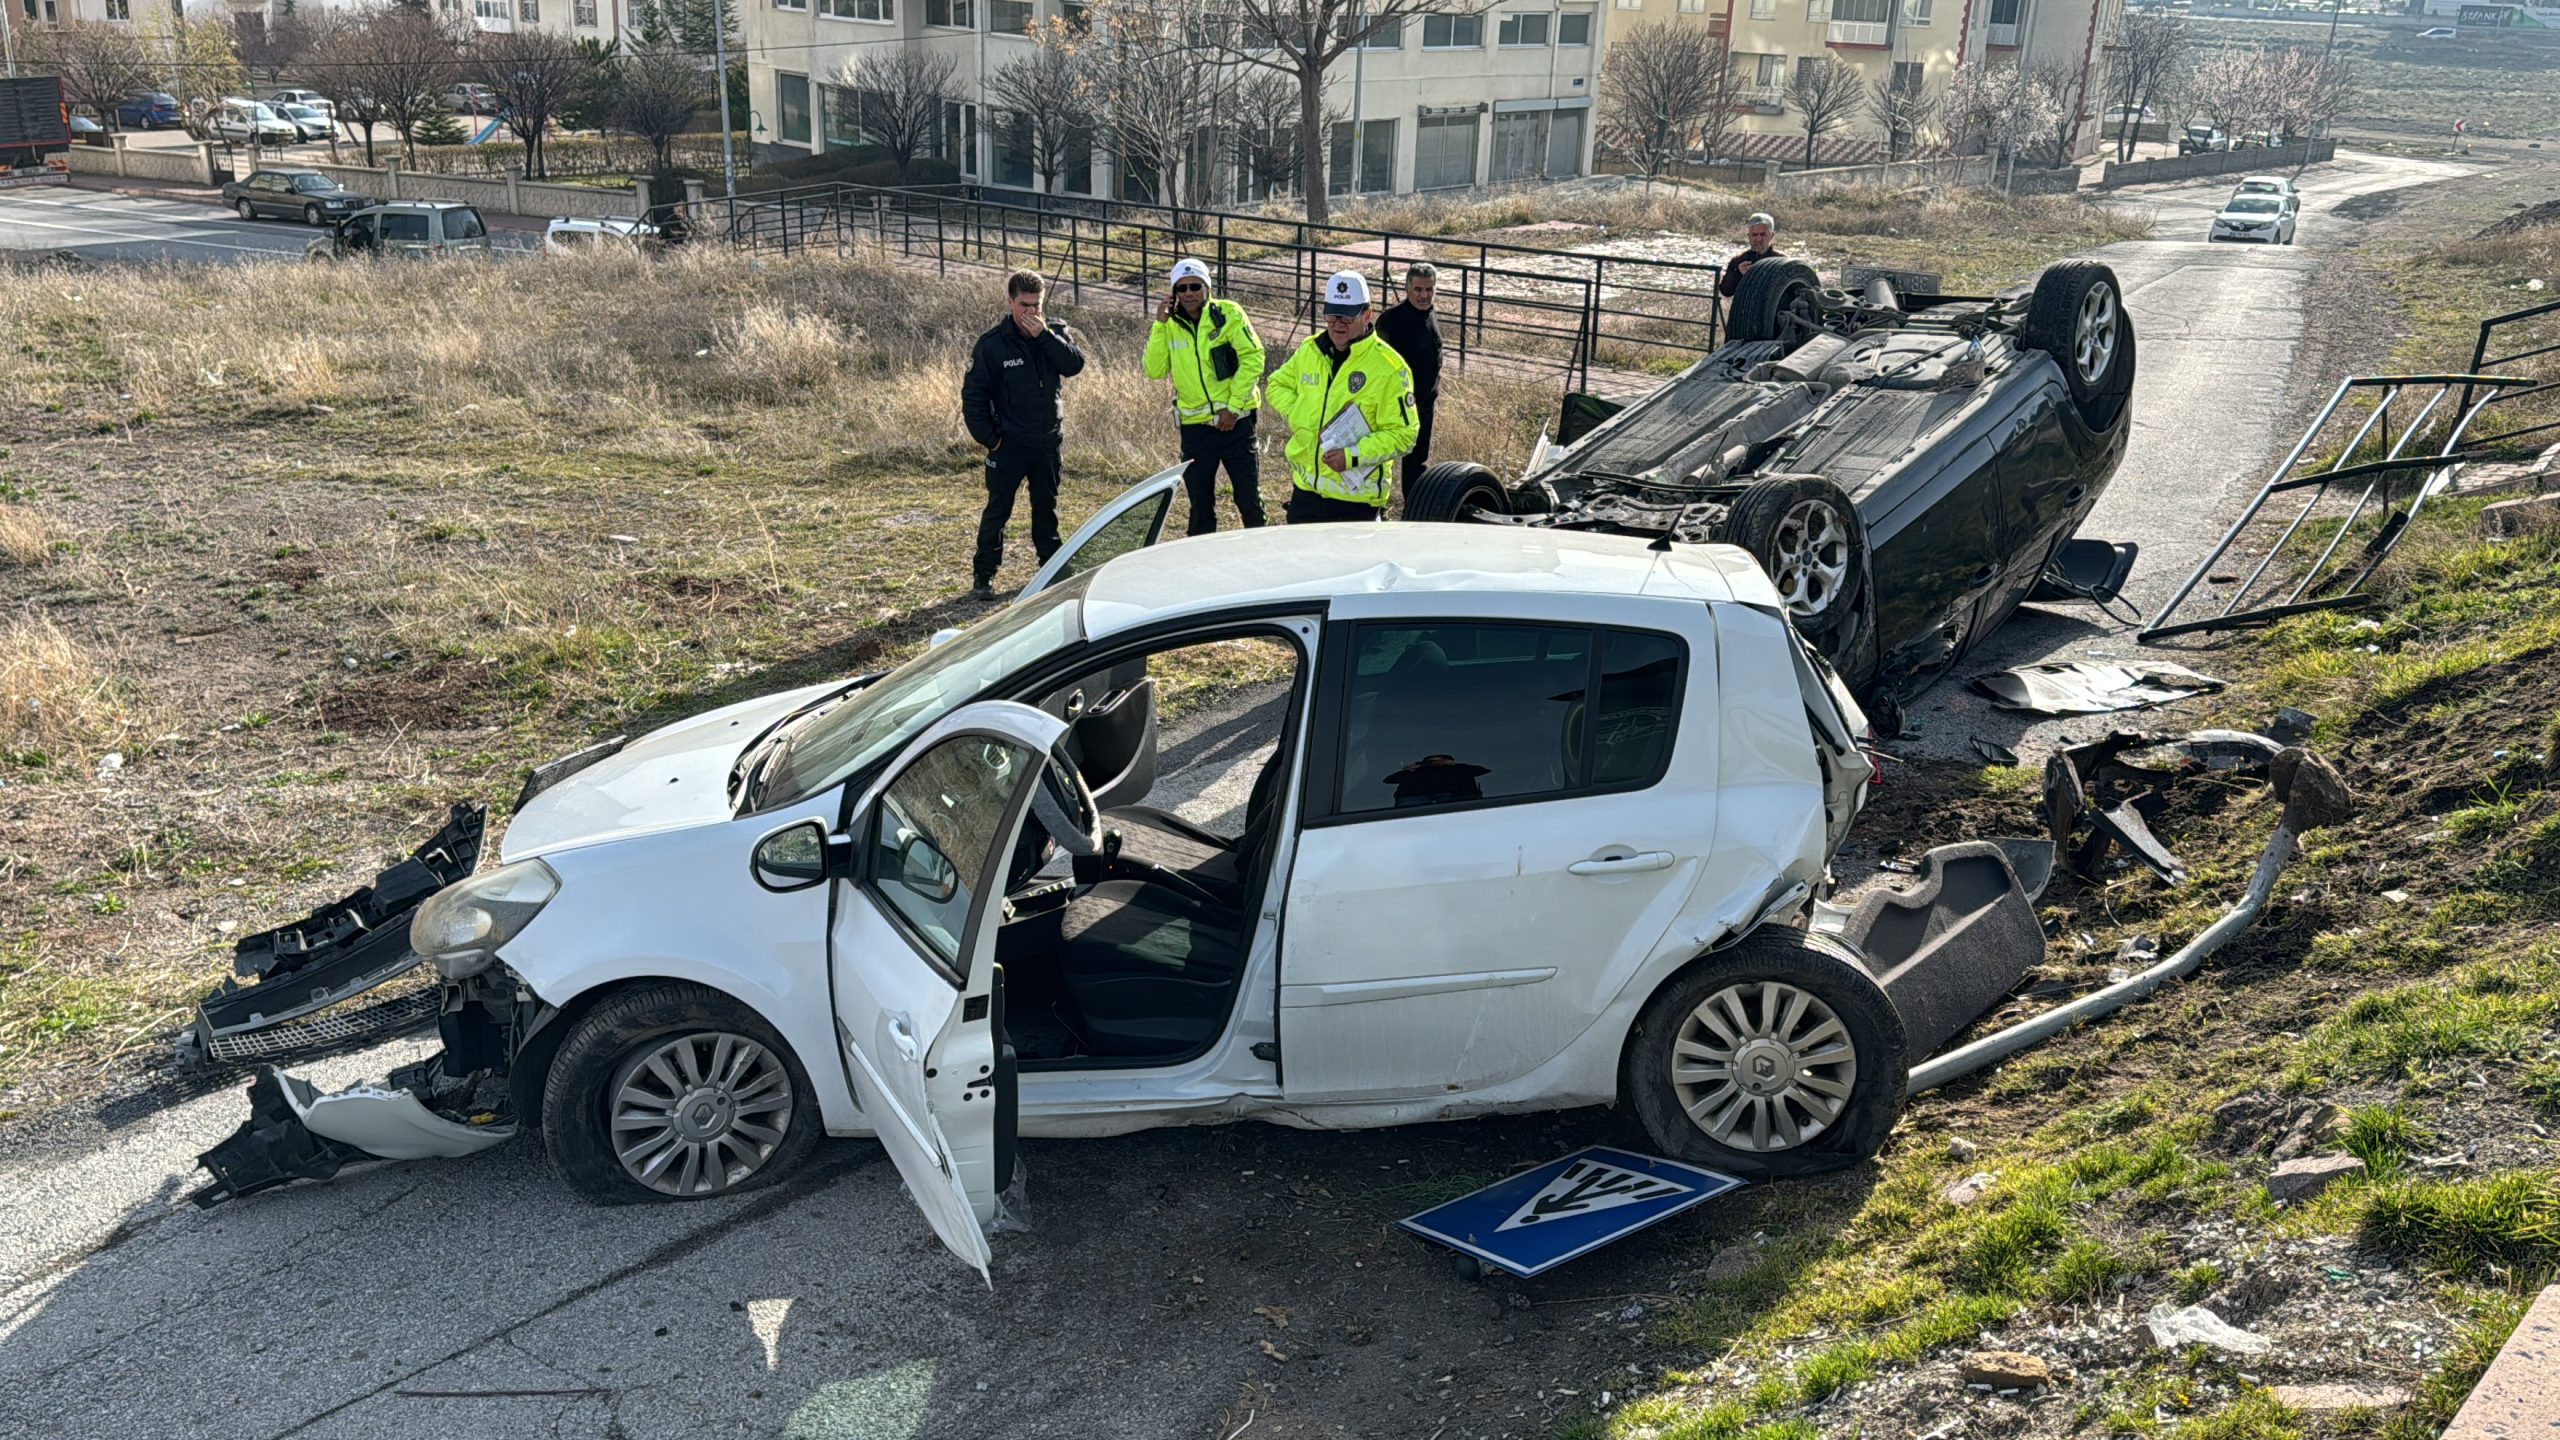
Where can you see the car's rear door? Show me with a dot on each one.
(918, 996)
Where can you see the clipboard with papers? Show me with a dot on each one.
(1344, 432)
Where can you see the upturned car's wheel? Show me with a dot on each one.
(1778, 299)
(1805, 533)
(675, 1092)
(2077, 316)
(1777, 1057)
(1452, 489)
(247, 211)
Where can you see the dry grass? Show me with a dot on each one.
(58, 700)
(27, 537)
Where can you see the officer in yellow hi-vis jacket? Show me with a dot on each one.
(1207, 348)
(1348, 399)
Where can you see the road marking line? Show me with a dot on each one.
(111, 239)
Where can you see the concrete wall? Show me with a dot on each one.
(1963, 170)
(192, 165)
(2218, 162)
(197, 165)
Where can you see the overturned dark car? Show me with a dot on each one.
(1908, 468)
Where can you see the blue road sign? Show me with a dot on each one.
(1539, 1219)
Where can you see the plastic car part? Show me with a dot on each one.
(2313, 797)
(330, 956)
(2094, 800)
(2081, 687)
(272, 1148)
(2091, 570)
(543, 777)
(1949, 947)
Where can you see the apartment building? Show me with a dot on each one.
(1906, 42)
(1443, 102)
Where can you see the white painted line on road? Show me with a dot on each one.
(103, 238)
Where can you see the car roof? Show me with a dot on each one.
(2275, 180)
(1298, 562)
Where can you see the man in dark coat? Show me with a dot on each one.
(1412, 330)
(1760, 237)
(1011, 405)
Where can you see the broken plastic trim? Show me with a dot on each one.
(1949, 947)
(2094, 798)
(332, 955)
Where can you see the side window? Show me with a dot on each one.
(1455, 713)
(409, 227)
(1134, 531)
(933, 837)
(463, 225)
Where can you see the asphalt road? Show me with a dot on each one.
(110, 225)
(430, 1298)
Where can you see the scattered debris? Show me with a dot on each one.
(2292, 727)
(2096, 793)
(2176, 1328)
(2004, 1370)
(1961, 1193)
(1959, 1148)
(1995, 753)
(2308, 1129)
(2081, 688)
(2297, 1180)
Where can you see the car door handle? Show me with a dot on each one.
(902, 1033)
(1636, 863)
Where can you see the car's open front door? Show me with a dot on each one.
(1133, 520)
(912, 951)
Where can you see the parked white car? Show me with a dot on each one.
(577, 234)
(310, 99)
(2276, 185)
(1517, 821)
(251, 122)
(2266, 219)
(2437, 32)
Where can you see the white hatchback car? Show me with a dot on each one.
(1496, 820)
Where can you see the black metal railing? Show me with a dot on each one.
(2509, 329)
(1506, 306)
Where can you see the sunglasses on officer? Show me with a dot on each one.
(1189, 287)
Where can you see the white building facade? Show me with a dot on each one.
(1446, 102)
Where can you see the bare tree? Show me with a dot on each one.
(1151, 76)
(387, 64)
(659, 87)
(539, 74)
(2068, 87)
(1046, 91)
(1904, 111)
(1998, 108)
(194, 58)
(1724, 100)
(899, 92)
(2233, 90)
(1264, 140)
(1657, 86)
(99, 64)
(2149, 55)
(1298, 39)
(333, 50)
(2306, 90)
(1824, 94)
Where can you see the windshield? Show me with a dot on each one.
(310, 184)
(824, 748)
(2255, 205)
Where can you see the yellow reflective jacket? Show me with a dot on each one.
(1192, 355)
(1310, 390)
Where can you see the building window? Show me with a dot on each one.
(1808, 70)
(1817, 12)
(791, 97)
(1384, 33)
(1916, 12)
(1076, 175)
(790, 4)
(1009, 17)
(1689, 5)
(958, 141)
(489, 9)
(1524, 29)
(1071, 14)
(1452, 32)
(1377, 168)
(2005, 12)
(883, 10)
(1693, 7)
(1764, 9)
(1771, 72)
(1861, 12)
(583, 14)
(950, 14)
(1910, 77)
(529, 11)
(1573, 27)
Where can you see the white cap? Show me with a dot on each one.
(1347, 293)
(1188, 270)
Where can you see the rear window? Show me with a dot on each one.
(463, 224)
(1457, 713)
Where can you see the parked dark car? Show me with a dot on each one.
(1907, 468)
(149, 112)
(304, 195)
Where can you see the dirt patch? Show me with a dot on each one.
(2532, 217)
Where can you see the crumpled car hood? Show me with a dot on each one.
(665, 780)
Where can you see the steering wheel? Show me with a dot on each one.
(1063, 804)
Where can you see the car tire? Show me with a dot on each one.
(2077, 316)
(247, 210)
(311, 215)
(612, 1063)
(1776, 298)
(1807, 536)
(1448, 490)
(1774, 1005)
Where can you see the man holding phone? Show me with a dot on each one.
(1207, 348)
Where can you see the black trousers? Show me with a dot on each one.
(1306, 507)
(1008, 466)
(1205, 448)
(1420, 455)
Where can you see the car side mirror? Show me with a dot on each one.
(794, 857)
(926, 871)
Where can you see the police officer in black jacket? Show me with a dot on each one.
(1010, 402)
(1413, 331)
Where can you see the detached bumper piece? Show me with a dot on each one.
(1955, 942)
(296, 1133)
(294, 981)
(2096, 797)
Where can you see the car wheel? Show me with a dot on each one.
(310, 214)
(1805, 533)
(1454, 490)
(247, 210)
(1777, 1057)
(675, 1092)
(2077, 316)
(1777, 300)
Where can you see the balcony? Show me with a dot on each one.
(2004, 36)
(1762, 99)
(1858, 32)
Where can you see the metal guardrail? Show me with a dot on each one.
(2482, 361)
(1517, 305)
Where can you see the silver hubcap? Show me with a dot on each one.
(1763, 1065)
(1812, 558)
(2093, 341)
(700, 1113)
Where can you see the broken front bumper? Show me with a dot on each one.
(296, 1133)
(292, 984)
